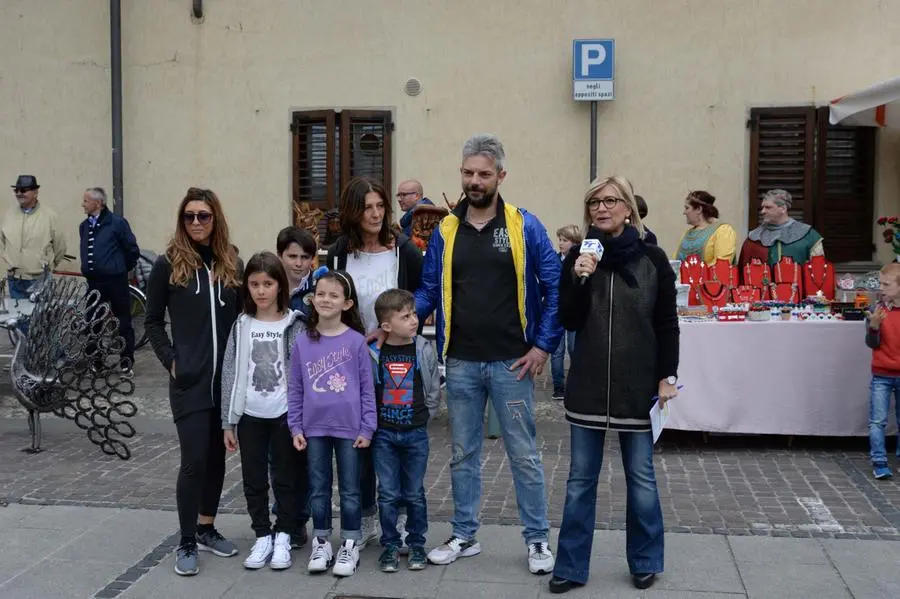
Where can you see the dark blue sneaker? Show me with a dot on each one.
(417, 559)
(389, 560)
(881, 471)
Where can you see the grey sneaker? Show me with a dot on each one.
(213, 541)
(186, 560)
(369, 531)
(401, 528)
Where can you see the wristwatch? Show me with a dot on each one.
(671, 380)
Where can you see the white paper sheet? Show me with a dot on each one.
(658, 418)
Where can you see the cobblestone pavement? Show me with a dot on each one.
(734, 486)
(722, 485)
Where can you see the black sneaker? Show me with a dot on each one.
(417, 559)
(559, 392)
(390, 559)
(211, 540)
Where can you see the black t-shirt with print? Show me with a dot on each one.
(399, 392)
(484, 320)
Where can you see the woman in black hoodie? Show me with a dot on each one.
(197, 281)
(378, 259)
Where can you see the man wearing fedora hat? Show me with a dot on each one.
(29, 238)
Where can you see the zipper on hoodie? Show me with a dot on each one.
(215, 341)
(612, 280)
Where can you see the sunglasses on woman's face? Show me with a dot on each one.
(200, 217)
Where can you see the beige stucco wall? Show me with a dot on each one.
(209, 104)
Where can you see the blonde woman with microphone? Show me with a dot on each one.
(621, 302)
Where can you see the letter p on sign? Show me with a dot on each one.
(591, 55)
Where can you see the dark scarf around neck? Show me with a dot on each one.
(619, 251)
(206, 253)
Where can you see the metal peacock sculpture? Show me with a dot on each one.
(67, 361)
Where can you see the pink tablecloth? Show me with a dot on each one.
(787, 378)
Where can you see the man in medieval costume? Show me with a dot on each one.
(780, 235)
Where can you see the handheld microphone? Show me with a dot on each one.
(591, 247)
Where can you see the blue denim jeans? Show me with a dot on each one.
(558, 359)
(18, 288)
(318, 454)
(469, 384)
(644, 542)
(880, 391)
(401, 458)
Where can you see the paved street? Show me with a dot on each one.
(55, 552)
(726, 503)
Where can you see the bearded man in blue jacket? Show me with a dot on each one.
(492, 273)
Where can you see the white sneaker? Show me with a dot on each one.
(401, 528)
(321, 557)
(281, 555)
(260, 554)
(540, 560)
(347, 559)
(369, 531)
(451, 550)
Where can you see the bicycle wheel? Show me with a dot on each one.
(138, 314)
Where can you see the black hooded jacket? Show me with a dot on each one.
(201, 315)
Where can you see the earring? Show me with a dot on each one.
(627, 221)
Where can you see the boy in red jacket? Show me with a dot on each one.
(883, 336)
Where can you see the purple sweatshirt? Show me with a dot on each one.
(331, 392)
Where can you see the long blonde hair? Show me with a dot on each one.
(626, 191)
(182, 255)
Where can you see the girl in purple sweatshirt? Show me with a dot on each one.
(331, 411)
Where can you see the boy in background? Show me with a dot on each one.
(569, 239)
(883, 336)
(297, 249)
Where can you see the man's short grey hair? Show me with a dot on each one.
(97, 193)
(780, 197)
(487, 145)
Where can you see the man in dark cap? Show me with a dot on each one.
(29, 238)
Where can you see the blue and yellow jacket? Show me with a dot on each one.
(537, 271)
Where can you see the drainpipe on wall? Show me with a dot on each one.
(198, 9)
(115, 63)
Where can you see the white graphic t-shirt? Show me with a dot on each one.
(373, 274)
(266, 378)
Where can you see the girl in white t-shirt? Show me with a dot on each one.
(254, 407)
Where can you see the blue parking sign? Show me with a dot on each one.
(593, 69)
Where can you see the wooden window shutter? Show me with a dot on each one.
(845, 194)
(366, 146)
(782, 149)
(315, 159)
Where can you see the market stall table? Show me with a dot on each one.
(778, 377)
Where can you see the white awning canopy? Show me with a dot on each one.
(876, 106)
